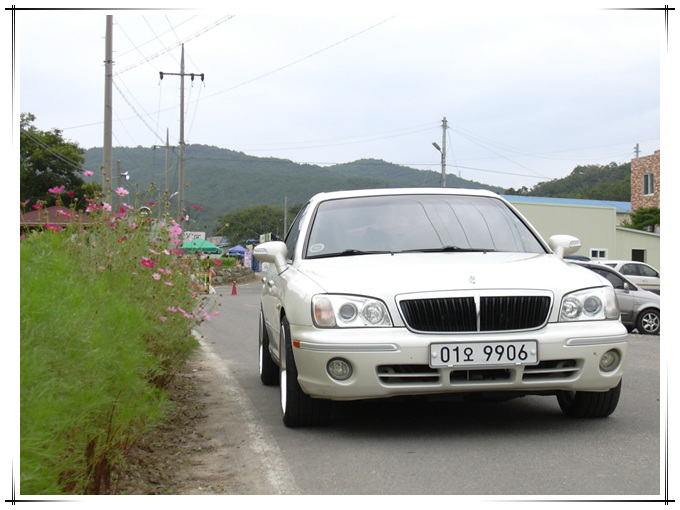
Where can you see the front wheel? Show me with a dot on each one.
(649, 322)
(299, 409)
(269, 371)
(589, 404)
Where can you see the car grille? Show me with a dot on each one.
(460, 314)
(424, 375)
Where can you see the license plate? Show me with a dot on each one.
(483, 354)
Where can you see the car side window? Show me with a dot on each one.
(294, 233)
(647, 271)
(628, 269)
(616, 282)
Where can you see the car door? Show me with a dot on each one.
(643, 275)
(649, 278)
(274, 286)
(626, 299)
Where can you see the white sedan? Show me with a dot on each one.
(382, 293)
(639, 273)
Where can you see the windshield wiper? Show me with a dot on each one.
(347, 253)
(447, 249)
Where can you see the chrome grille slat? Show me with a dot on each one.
(407, 374)
(423, 374)
(562, 369)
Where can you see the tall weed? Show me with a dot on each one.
(107, 310)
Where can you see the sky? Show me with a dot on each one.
(528, 94)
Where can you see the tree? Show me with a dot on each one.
(47, 161)
(645, 218)
(248, 223)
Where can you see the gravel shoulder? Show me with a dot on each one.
(209, 445)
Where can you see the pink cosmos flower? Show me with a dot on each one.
(56, 191)
(88, 173)
(121, 192)
(146, 262)
(156, 276)
(169, 284)
(197, 207)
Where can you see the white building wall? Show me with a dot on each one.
(594, 226)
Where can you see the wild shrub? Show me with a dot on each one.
(107, 309)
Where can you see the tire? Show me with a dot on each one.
(298, 408)
(269, 371)
(649, 322)
(589, 404)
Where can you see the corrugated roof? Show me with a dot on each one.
(619, 206)
(50, 216)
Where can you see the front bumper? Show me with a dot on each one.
(389, 362)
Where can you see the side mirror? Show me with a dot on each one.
(563, 245)
(626, 288)
(274, 252)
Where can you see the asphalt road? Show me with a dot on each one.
(521, 447)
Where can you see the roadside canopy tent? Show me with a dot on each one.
(237, 250)
(200, 245)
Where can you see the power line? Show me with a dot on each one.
(168, 49)
(303, 58)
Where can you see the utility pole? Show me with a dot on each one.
(181, 74)
(107, 157)
(285, 215)
(442, 150)
(637, 150)
(166, 190)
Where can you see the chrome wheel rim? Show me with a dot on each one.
(650, 322)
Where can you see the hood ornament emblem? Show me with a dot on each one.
(472, 279)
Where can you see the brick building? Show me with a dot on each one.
(645, 181)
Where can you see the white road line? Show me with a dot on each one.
(260, 441)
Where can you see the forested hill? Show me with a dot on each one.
(592, 182)
(220, 180)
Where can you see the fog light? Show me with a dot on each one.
(339, 369)
(610, 360)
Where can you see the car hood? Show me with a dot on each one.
(386, 275)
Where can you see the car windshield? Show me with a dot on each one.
(412, 223)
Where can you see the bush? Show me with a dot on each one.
(106, 316)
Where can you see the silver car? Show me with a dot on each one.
(384, 293)
(640, 308)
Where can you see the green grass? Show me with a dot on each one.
(101, 335)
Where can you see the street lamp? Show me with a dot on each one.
(443, 153)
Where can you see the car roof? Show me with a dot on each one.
(621, 262)
(600, 266)
(331, 195)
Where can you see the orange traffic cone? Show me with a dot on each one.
(233, 289)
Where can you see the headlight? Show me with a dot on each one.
(339, 311)
(590, 305)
